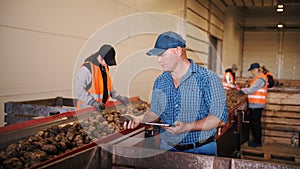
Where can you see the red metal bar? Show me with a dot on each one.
(231, 112)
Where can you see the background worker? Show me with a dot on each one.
(228, 79)
(257, 93)
(269, 76)
(189, 97)
(93, 82)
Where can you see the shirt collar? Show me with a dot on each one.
(192, 69)
(193, 66)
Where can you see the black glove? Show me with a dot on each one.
(98, 105)
(123, 100)
(240, 93)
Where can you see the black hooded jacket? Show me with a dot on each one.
(93, 59)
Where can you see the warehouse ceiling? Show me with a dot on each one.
(258, 3)
(262, 14)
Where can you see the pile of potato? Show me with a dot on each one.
(111, 120)
(56, 140)
(43, 145)
(233, 98)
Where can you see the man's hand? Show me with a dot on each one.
(179, 127)
(237, 87)
(240, 93)
(124, 100)
(132, 122)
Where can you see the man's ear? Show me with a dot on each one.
(178, 51)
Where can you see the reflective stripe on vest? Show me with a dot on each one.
(96, 89)
(258, 97)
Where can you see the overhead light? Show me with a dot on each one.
(280, 6)
(280, 25)
(279, 9)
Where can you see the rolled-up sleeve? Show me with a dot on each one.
(216, 98)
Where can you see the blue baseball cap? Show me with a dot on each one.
(254, 66)
(166, 41)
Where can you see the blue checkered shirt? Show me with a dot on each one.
(199, 94)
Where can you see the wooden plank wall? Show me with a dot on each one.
(281, 117)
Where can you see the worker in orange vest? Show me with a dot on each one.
(228, 79)
(257, 92)
(269, 76)
(93, 82)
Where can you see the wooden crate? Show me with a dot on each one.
(288, 83)
(281, 116)
(278, 82)
(273, 152)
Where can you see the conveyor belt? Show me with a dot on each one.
(13, 133)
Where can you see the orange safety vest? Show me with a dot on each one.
(96, 89)
(259, 97)
(270, 74)
(226, 85)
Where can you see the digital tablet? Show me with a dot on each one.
(158, 124)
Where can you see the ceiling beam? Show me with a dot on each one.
(243, 1)
(234, 3)
(258, 3)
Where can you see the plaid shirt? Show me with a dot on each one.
(199, 94)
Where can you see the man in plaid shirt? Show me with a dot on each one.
(187, 96)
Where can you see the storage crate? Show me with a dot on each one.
(286, 83)
(281, 117)
(27, 110)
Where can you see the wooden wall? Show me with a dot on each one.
(281, 116)
(204, 19)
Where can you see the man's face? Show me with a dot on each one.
(168, 60)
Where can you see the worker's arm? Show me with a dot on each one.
(83, 78)
(207, 123)
(258, 84)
